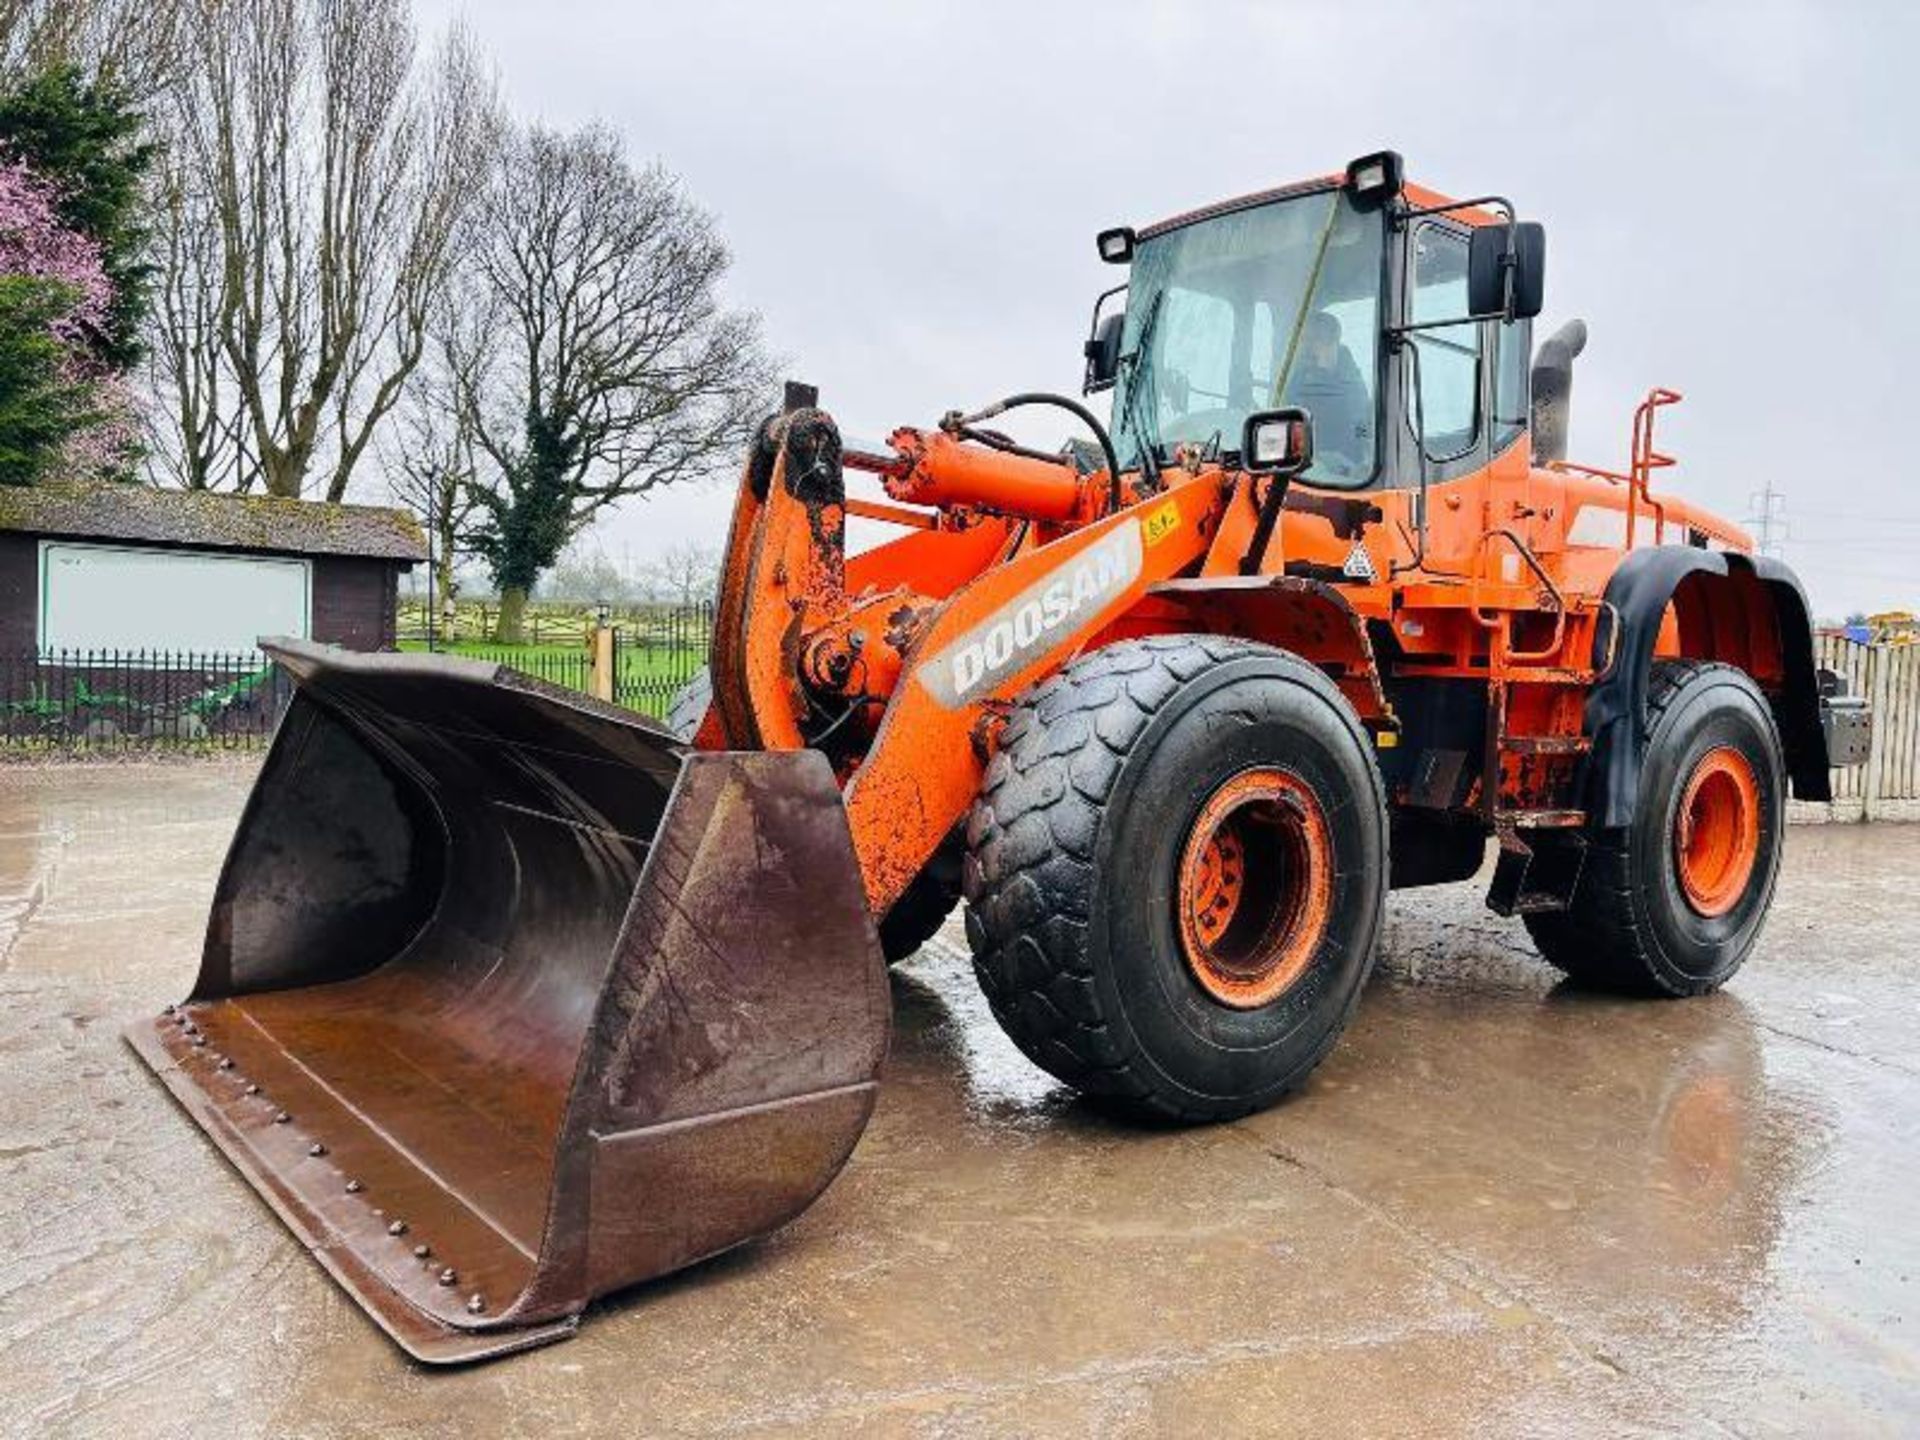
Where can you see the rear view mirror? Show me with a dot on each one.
(1103, 352)
(1277, 442)
(1506, 270)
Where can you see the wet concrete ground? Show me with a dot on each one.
(1500, 1207)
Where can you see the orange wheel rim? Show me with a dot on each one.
(1255, 887)
(1716, 831)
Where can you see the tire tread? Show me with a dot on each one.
(1029, 873)
(1604, 938)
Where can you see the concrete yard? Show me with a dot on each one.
(1501, 1207)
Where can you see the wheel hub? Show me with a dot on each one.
(1716, 841)
(1255, 887)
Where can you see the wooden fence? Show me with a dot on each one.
(473, 623)
(1887, 787)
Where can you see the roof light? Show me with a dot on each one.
(1375, 179)
(1116, 245)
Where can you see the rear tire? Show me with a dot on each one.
(1672, 904)
(923, 906)
(1083, 848)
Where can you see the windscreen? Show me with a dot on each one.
(1274, 305)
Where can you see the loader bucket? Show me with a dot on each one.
(508, 1000)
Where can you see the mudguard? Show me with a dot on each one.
(1638, 595)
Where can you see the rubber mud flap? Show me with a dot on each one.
(509, 1000)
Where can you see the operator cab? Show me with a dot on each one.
(1389, 322)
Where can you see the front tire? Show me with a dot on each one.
(1672, 904)
(1175, 874)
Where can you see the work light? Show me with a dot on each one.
(1374, 179)
(1116, 245)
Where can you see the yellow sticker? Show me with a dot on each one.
(1161, 523)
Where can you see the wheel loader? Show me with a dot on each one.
(511, 998)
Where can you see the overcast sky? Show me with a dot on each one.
(911, 193)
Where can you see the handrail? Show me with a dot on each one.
(1644, 460)
(1559, 605)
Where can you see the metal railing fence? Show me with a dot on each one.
(66, 700)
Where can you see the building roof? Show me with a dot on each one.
(219, 521)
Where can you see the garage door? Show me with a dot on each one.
(105, 597)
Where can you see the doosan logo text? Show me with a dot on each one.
(1004, 643)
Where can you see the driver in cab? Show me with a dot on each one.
(1328, 383)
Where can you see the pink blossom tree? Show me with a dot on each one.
(36, 246)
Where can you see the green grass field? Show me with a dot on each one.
(649, 677)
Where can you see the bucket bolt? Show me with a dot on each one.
(420, 1252)
(316, 1149)
(354, 1187)
(476, 1303)
(449, 1275)
(398, 1227)
(281, 1117)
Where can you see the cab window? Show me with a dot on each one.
(1449, 356)
(1512, 398)
(1274, 305)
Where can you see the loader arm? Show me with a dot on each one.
(991, 640)
(797, 644)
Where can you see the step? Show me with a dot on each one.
(1539, 819)
(1546, 744)
(1527, 881)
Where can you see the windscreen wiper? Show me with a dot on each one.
(1132, 422)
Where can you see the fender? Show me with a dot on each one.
(1638, 594)
(1309, 617)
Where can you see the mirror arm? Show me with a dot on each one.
(1395, 332)
(1263, 525)
(1482, 202)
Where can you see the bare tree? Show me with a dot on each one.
(196, 435)
(587, 575)
(428, 457)
(320, 180)
(596, 361)
(686, 573)
(138, 46)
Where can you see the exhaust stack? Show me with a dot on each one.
(1553, 389)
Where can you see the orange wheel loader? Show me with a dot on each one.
(510, 998)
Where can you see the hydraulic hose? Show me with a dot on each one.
(1058, 402)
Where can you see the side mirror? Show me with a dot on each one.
(1277, 442)
(1506, 270)
(1103, 352)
